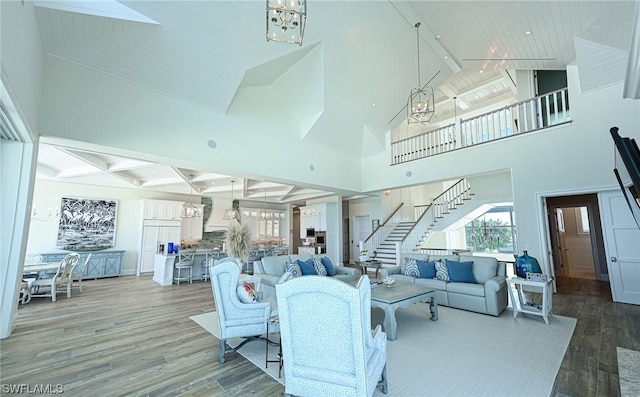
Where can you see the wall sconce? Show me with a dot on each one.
(50, 214)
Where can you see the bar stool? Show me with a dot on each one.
(209, 256)
(185, 262)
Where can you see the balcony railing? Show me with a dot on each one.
(543, 111)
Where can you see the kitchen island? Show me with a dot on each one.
(164, 266)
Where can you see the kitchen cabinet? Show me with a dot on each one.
(324, 217)
(152, 237)
(191, 228)
(101, 264)
(162, 209)
(308, 221)
(317, 216)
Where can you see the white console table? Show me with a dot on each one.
(520, 305)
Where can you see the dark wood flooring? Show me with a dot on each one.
(130, 337)
(590, 366)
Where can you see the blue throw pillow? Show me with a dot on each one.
(307, 267)
(461, 272)
(426, 269)
(331, 270)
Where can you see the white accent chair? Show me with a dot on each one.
(78, 274)
(62, 278)
(328, 347)
(236, 319)
(185, 262)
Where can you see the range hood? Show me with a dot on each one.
(216, 221)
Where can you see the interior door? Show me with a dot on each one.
(345, 240)
(621, 237)
(556, 229)
(362, 229)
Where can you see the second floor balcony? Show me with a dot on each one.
(543, 111)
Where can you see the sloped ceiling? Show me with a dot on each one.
(349, 81)
(599, 65)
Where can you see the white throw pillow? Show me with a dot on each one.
(286, 276)
(246, 278)
(442, 271)
(294, 269)
(320, 269)
(246, 293)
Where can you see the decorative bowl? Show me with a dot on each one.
(388, 282)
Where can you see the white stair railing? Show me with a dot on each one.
(543, 111)
(379, 235)
(449, 200)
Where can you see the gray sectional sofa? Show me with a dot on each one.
(271, 268)
(487, 295)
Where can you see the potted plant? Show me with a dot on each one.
(238, 241)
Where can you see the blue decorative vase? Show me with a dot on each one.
(526, 264)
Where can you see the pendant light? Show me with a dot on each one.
(188, 209)
(231, 213)
(421, 103)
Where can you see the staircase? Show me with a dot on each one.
(405, 237)
(386, 251)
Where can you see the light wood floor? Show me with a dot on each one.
(130, 337)
(126, 337)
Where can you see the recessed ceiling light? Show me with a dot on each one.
(446, 57)
(482, 71)
(528, 32)
(438, 37)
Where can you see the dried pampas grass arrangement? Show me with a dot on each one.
(238, 241)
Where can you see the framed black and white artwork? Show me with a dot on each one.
(87, 224)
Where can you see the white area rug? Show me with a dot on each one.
(461, 354)
(629, 372)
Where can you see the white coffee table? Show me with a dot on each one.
(400, 296)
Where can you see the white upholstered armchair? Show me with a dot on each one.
(328, 347)
(236, 319)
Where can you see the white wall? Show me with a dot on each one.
(561, 160)
(263, 144)
(42, 235)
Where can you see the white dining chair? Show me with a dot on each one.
(62, 278)
(78, 274)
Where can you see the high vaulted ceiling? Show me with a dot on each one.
(347, 83)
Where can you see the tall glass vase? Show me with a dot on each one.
(526, 264)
